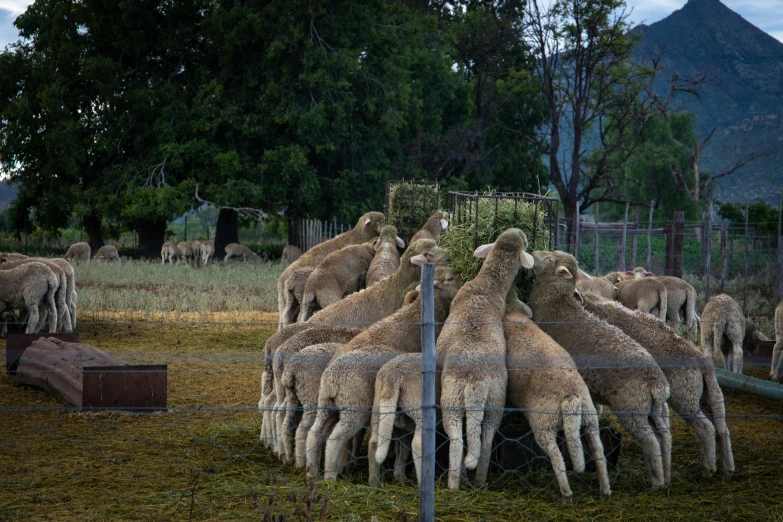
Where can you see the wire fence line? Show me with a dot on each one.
(207, 456)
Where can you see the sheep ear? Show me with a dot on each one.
(582, 276)
(525, 309)
(527, 259)
(484, 250)
(615, 288)
(649, 274)
(367, 222)
(375, 243)
(578, 296)
(444, 223)
(419, 260)
(3, 259)
(564, 272)
(629, 274)
(400, 242)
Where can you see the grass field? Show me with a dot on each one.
(202, 460)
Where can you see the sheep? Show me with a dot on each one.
(776, 371)
(195, 247)
(346, 400)
(373, 304)
(62, 312)
(290, 254)
(340, 273)
(723, 331)
(185, 252)
(108, 253)
(294, 288)
(207, 251)
(169, 252)
(397, 386)
(239, 250)
(78, 252)
(681, 296)
(30, 286)
(597, 286)
(544, 383)
(387, 258)
(11, 256)
(617, 370)
(368, 227)
(473, 350)
(279, 359)
(647, 295)
(694, 387)
(70, 276)
(437, 224)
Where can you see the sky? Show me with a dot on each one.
(764, 14)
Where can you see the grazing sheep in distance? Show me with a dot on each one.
(195, 247)
(345, 400)
(386, 260)
(776, 372)
(169, 252)
(694, 387)
(78, 252)
(185, 252)
(437, 224)
(31, 286)
(597, 286)
(340, 273)
(617, 370)
(473, 349)
(207, 251)
(368, 227)
(290, 254)
(647, 295)
(239, 250)
(108, 253)
(544, 383)
(723, 331)
(295, 288)
(681, 296)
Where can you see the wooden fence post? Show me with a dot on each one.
(649, 237)
(723, 235)
(596, 260)
(675, 232)
(780, 251)
(634, 241)
(707, 247)
(621, 243)
(577, 225)
(745, 301)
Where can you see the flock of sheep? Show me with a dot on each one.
(347, 355)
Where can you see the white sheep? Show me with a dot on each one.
(78, 252)
(31, 286)
(169, 252)
(207, 251)
(108, 253)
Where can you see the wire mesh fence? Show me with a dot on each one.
(223, 449)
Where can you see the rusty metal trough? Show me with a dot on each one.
(84, 376)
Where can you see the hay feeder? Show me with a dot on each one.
(409, 204)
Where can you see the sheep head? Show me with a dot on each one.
(422, 251)
(370, 224)
(510, 240)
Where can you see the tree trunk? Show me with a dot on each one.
(92, 225)
(226, 231)
(569, 207)
(152, 235)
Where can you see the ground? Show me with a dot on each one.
(202, 459)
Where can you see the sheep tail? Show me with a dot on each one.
(571, 408)
(663, 305)
(389, 392)
(690, 307)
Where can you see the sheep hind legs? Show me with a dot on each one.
(644, 434)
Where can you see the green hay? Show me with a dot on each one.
(410, 205)
(463, 238)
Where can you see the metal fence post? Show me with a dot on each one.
(427, 487)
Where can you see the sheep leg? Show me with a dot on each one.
(324, 422)
(547, 440)
(736, 353)
(452, 424)
(286, 427)
(593, 436)
(491, 424)
(44, 317)
(660, 421)
(640, 429)
(33, 321)
(776, 369)
(302, 431)
(416, 452)
(349, 425)
(403, 447)
(706, 433)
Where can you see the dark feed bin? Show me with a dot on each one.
(83, 376)
(408, 204)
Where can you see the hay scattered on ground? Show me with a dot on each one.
(464, 237)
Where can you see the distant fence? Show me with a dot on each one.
(307, 233)
(711, 249)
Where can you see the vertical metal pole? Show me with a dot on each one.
(708, 247)
(621, 245)
(779, 293)
(745, 301)
(649, 238)
(596, 239)
(427, 487)
(722, 257)
(634, 240)
(186, 228)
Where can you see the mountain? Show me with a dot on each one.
(7, 194)
(745, 105)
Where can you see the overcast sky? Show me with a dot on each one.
(765, 14)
